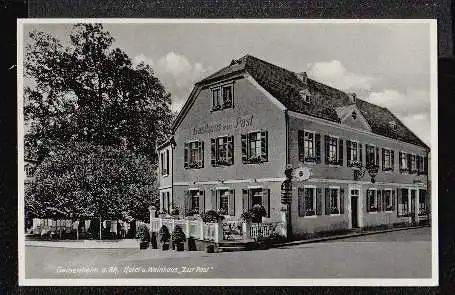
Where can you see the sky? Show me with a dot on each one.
(386, 64)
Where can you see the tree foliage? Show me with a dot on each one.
(90, 91)
(84, 180)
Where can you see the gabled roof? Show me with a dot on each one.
(285, 85)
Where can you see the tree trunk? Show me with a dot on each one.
(77, 232)
(100, 228)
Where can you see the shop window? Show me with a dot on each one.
(255, 147)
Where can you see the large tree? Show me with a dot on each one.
(90, 91)
(83, 180)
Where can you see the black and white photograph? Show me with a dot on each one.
(227, 152)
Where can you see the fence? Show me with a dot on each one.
(264, 230)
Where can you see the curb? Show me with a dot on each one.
(339, 237)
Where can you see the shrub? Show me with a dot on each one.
(191, 212)
(178, 236)
(143, 233)
(211, 216)
(175, 211)
(164, 234)
(257, 212)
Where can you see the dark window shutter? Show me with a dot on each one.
(327, 201)
(377, 156)
(214, 150)
(393, 199)
(392, 161)
(418, 163)
(266, 201)
(264, 148)
(318, 201)
(214, 200)
(301, 200)
(186, 156)
(425, 165)
(340, 152)
(367, 200)
(201, 154)
(301, 139)
(409, 159)
(245, 200)
(383, 159)
(201, 201)
(230, 150)
(348, 151)
(341, 200)
(326, 142)
(244, 148)
(379, 198)
(317, 140)
(360, 153)
(399, 197)
(232, 202)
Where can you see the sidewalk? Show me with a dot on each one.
(134, 244)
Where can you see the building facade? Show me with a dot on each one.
(243, 125)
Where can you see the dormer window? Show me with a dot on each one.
(393, 125)
(222, 97)
(305, 95)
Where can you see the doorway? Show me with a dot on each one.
(354, 208)
(413, 206)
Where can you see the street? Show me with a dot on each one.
(399, 254)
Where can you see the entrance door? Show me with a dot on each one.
(413, 206)
(354, 208)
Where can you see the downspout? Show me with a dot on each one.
(289, 206)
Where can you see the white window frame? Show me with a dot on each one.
(336, 149)
(313, 187)
(391, 201)
(305, 132)
(390, 159)
(357, 149)
(375, 198)
(337, 188)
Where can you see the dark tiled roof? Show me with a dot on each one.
(284, 85)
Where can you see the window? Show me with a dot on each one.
(421, 165)
(413, 165)
(256, 197)
(194, 154)
(423, 210)
(194, 201)
(403, 162)
(372, 155)
(222, 151)
(165, 202)
(29, 171)
(388, 203)
(372, 200)
(305, 95)
(354, 153)
(167, 161)
(222, 97)
(387, 160)
(307, 201)
(309, 146)
(403, 202)
(164, 163)
(223, 201)
(254, 147)
(333, 150)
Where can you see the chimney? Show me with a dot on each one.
(303, 77)
(352, 97)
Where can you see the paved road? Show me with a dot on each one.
(400, 254)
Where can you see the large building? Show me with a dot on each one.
(243, 125)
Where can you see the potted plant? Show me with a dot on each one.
(164, 237)
(175, 211)
(191, 212)
(143, 235)
(178, 238)
(211, 216)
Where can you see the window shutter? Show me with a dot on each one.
(360, 153)
(327, 201)
(214, 200)
(348, 151)
(326, 142)
(301, 141)
(340, 152)
(214, 150)
(409, 162)
(377, 156)
(201, 201)
(244, 148)
(301, 200)
(201, 154)
(425, 165)
(392, 159)
(187, 202)
(264, 149)
(418, 163)
(380, 200)
(399, 197)
(230, 150)
(341, 200)
(186, 156)
(266, 201)
(368, 201)
(383, 159)
(318, 201)
(317, 140)
(232, 202)
(393, 199)
(245, 200)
